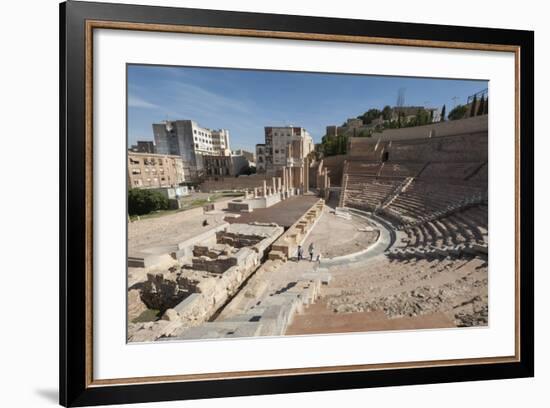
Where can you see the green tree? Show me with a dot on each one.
(443, 113)
(141, 201)
(370, 115)
(473, 107)
(458, 112)
(386, 112)
(481, 108)
(422, 118)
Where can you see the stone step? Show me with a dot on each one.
(221, 329)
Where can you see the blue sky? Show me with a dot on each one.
(244, 101)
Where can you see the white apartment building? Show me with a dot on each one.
(278, 140)
(186, 138)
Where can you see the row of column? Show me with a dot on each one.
(291, 178)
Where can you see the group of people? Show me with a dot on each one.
(311, 251)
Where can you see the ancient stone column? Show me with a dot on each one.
(278, 184)
(289, 178)
(265, 189)
(302, 181)
(306, 175)
(255, 192)
(273, 181)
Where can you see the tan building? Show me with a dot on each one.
(146, 170)
(224, 166)
(274, 154)
(216, 166)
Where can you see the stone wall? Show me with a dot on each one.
(214, 265)
(285, 247)
(237, 240)
(334, 166)
(453, 141)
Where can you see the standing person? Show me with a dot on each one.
(300, 252)
(319, 258)
(311, 252)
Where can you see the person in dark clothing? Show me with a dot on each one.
(311, 252)
(300, 252)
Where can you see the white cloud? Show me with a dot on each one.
(137, 102)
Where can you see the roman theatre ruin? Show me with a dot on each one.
(399, 235)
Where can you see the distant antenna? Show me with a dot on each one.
(400, 98)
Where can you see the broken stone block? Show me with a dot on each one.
(135, 305)
(171, 315)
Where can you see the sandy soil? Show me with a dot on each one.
(173, 228)
(383, 295)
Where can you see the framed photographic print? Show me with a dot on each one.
(255, 203)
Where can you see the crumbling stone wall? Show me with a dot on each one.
(213, 253)
(163, 291)
(190, 295)
(237, 240)
(217, 265)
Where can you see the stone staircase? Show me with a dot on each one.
(270, 316)
(343, 189)
(476, 199)
(401, 187)
(443, 251)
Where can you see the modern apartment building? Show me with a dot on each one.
(146, 170)
(185, 138)
(279, 141)
(220, 140)
(260, 158)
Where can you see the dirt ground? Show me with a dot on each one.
(388, 295)
(173, 228)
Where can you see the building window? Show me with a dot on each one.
(136, 171)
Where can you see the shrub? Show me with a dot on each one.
(145, 201)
